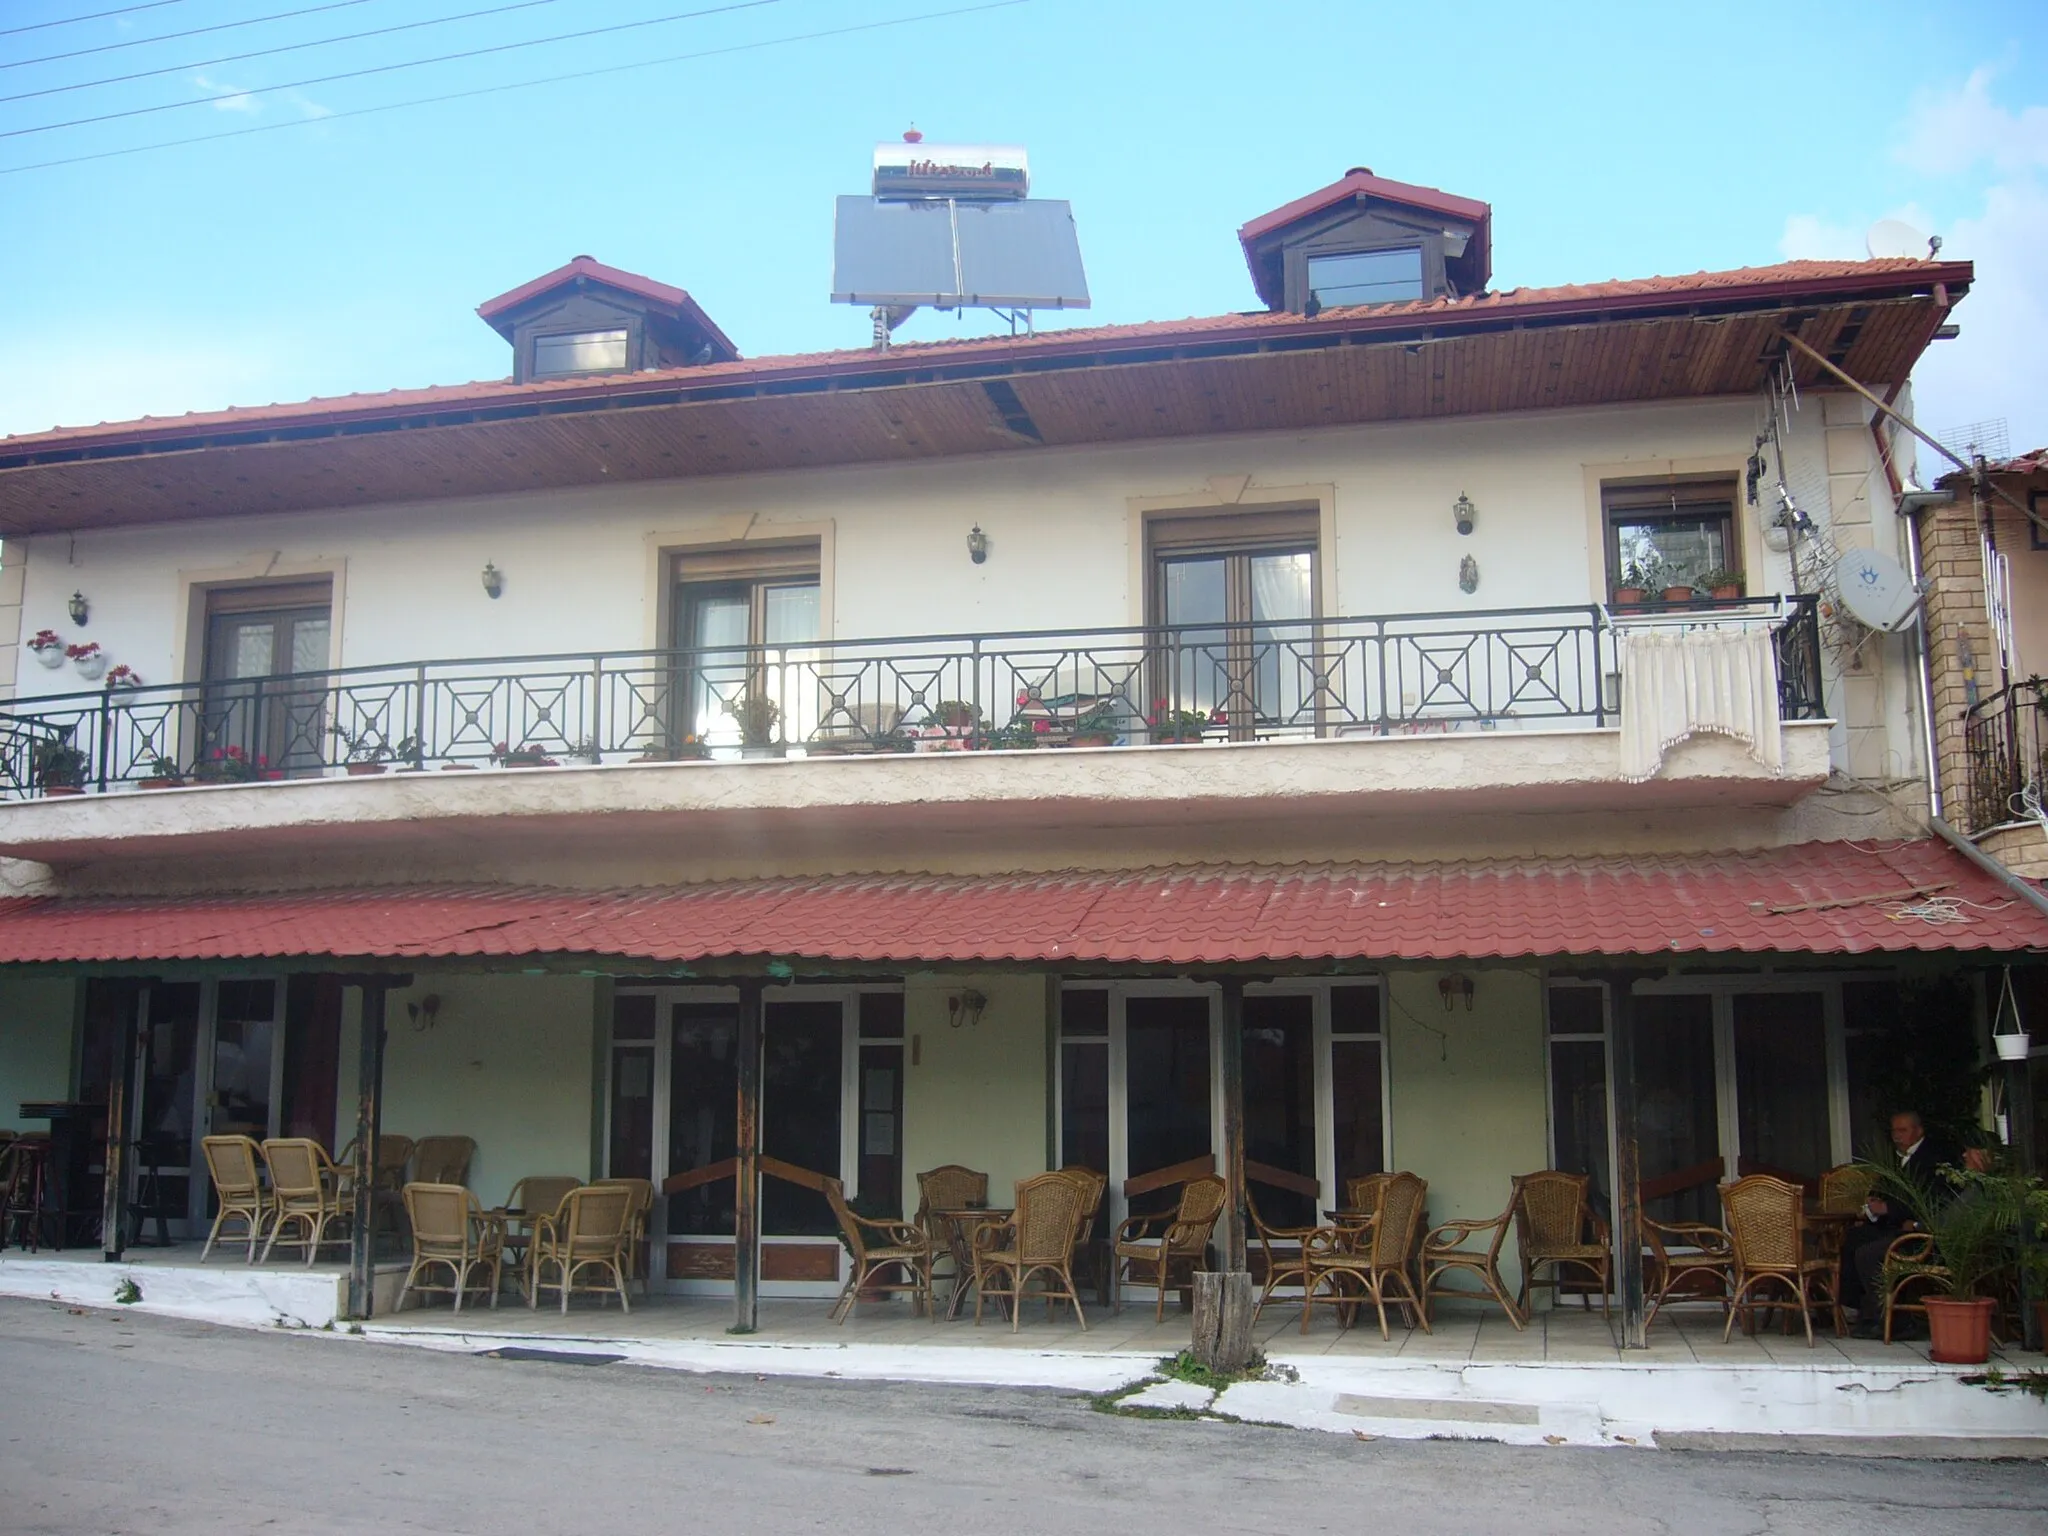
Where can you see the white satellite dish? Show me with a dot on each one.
(1876, 590)
(1894, 237)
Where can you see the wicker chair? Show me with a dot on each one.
(1688, 1261)
(1446, 1247)
(1038, 1239)
(305, 1195)
(588, 1232)
(1280, 1247)
(533, 1197)
(442, 1159)
(1552, 1226)
(449, 1231)
(636, 1238)
(1915, 1249)
(949, 1187)
(1149, 1249)
(1380, 1267)
(1845, 1187)
(393, 1153)
(23, 1169)
(1363, 1193)
(236, 1166)
(1767, 1230)
(1090, 1256)
(902, 1245)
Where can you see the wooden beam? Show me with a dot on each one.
(1167, 1177)
(362, 1238)
(1232, 1075)
(114, 1192)
(746, 1258)
(1628, 1201)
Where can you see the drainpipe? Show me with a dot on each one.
(1911, 505)
(1997, 871)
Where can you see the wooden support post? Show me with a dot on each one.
(746, 1227)
(362, 1245)
(1628, 1191)
(1232, 1073)
(1223, 1319)
(114, 1193)
(2019, 1126)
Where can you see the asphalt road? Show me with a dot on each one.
(112, 1422)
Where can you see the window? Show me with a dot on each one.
(1577, 1014)
(1237, 597)
(1357, 1090)
(265, 647)
(580, 352)
(1366, 277)
(881, 1103)
(1670, 534)
(745, 621)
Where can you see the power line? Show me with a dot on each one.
(38, 26)
(166, 37)
(518, 85)
(68, 21)
(261, 53)
(385, 69)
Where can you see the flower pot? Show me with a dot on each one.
(1629, 597)
(362, 770)
(159, 783)
(2012, 1047)
(51, 656)
(92, 668)
(270, 775)
(1678, 594)
(458, 767)
(56, 791)
(1728, 591)
(1959, 1332)
(752, 754)
(1095, 739)
(1174, 738)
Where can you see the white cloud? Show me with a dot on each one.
(1809, 237)
(308, 107)
(227, 98)
(1949, 132)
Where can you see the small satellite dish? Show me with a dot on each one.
(1876, 590)
(1894, 237)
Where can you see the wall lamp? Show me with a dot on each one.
(977, 545)
(1464, 514)
(424, 1012)
(1454, 986)
(494, 580)
(80, 609)
(965, 1008)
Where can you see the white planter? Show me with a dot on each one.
(92, 668)
(2011, 1047)
(51, 656)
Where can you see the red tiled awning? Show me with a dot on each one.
(1811, 898)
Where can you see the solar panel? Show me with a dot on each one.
(1012, 255)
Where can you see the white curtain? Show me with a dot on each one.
(1675, 683)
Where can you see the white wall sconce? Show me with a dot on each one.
(424, 1012)
(1468, 575)
(494, 581)
(965, 1008)
(977, 545)
(1464, 514)
(1454, 986)
(79, 609)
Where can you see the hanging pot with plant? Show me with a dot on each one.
(90, 660)
(48, 648)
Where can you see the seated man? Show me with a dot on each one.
(1864, 1245)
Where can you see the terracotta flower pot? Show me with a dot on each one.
(1728, 591)
(1959, 1332)
(159, 783)
(1678, 594)
(1096, 739)
(1629, 597)
(363, 770)
(55, 791)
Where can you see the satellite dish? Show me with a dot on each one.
(1876, 590)
(1894, 237)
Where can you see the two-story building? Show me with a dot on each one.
(1307, 737)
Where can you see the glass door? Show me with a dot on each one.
(1782, 1108)
(168, 1169)
(747, 627)
(1280, 1100)
(265, 698)
(1677, 1107)
(1169, 1108)
(1240, 631)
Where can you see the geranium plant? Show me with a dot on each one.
(1171, 724)
(123, 676)
(46, 640)
(229, 765)
(525, 755)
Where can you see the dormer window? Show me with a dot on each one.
(1366, 277)
(580, 352)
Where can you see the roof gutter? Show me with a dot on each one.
(1997, 871)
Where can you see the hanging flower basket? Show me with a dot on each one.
(123, 676)
(48, 647)
(90, 660)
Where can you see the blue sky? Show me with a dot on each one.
(347, 253)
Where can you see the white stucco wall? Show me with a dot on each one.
(35, 1046)
(975, 1096)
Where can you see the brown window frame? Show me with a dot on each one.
(1681, 500)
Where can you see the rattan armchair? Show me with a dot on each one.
(1845, 1187)
(588, 1232)
(949, 1187)
(1281, 1249)
(305, 1195)
(1038, 1239)
(1090, 1255)
(1688, 1261)
(1554, 1227)
(1150, 1250)
(1375, 1259)
(1767, 1231)
(877, 1244)
(636, 1237)
(450, 1231)
(235, 1164)
(442, 1159)
(1909, 1270)
(1362, 1194)
(393, 1154)
(1448, 1246)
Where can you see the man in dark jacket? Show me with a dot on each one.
(1864, 1245)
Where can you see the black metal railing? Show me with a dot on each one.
(1404, 674)
(2005, 744)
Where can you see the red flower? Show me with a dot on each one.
(1023, 698)
(218, 754)
(1217, 717)
(1157, 706)
(1041, 727)
(262, 762)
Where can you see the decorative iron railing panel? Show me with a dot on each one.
(1402, 674)
(2005, 744)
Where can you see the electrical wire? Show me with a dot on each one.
(165, 37)
(519, 85)
(66, 21)
(386, 69)
(264, 53)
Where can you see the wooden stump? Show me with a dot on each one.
(1223, 1319)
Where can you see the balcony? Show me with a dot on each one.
(937, 732)
(2005, 740)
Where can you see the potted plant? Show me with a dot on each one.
(1020, 735)
(90, 660)
(956, 715)
(1099, 725)
(1975, 1224)
(123, 676)
(1633, 588)
(57, 766)
(48, 647)
(229, 765)
(1720, 583)
(756, 714)
(162, 773)
(1178, 725)
(525, 755)
(364, 754)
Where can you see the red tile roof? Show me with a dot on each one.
(1793, 281)
(1812, 898)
